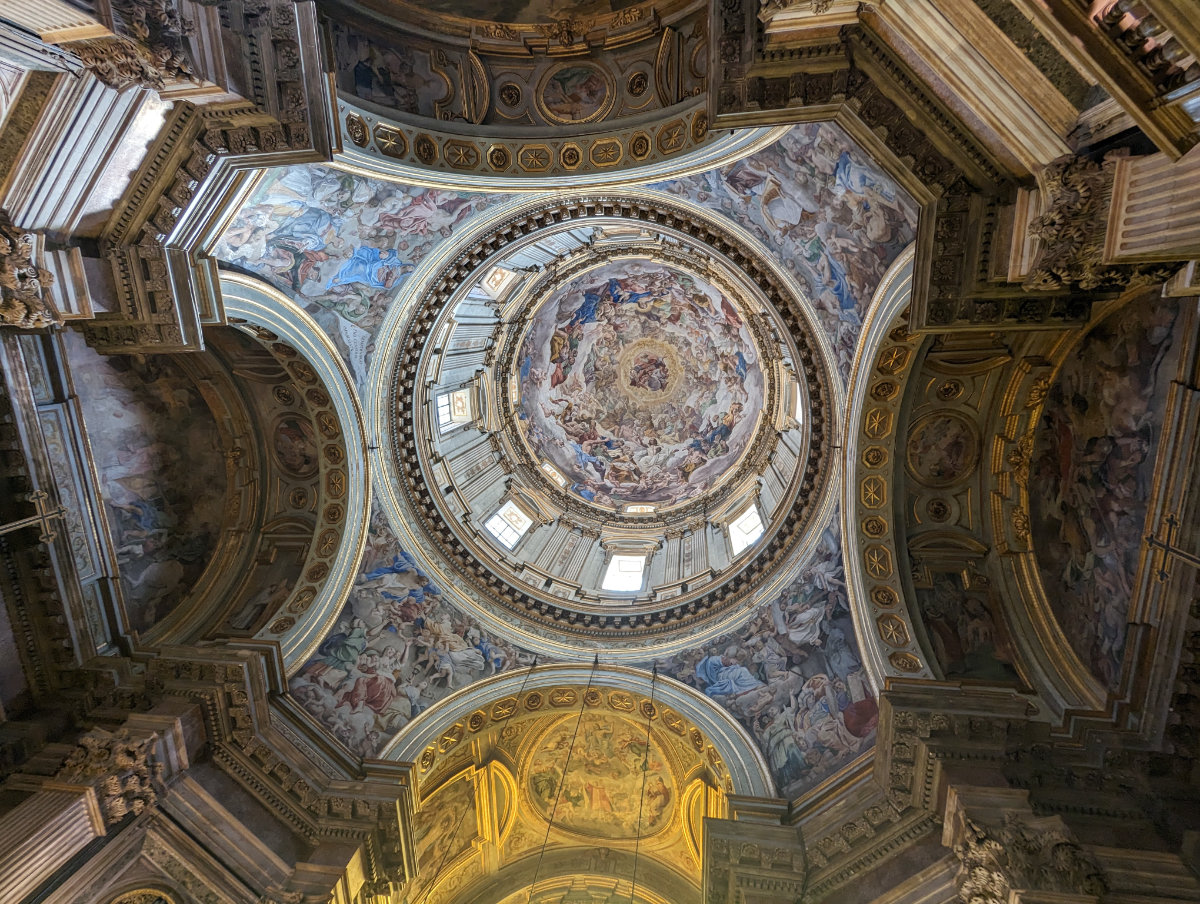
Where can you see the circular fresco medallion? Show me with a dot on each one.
(640, 383)
(602, 794)
(943, 448)
(575, 93)
(296, 446)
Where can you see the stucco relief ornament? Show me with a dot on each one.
(120, 767)
(23, 284)
(769, 8)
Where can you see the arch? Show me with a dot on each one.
(747, 768)
(870, 600)
(726, 149)
(248, 298)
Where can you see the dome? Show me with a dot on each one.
(653, 395)
(638, 382)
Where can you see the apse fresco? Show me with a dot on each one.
(397, 647)
(340, 245)
(832, 216)
(449, 826)
(162, 471)
(1090, 480)
(602, 795)
(640, 383)
(792, 676)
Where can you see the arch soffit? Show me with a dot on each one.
(747, 768)
(882, 615)
(259, 304)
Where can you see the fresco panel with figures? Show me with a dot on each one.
(833, 218)
(1093, 462)
(640, 383)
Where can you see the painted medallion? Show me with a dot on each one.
(602, 792)
(640, 384)
(575, 93)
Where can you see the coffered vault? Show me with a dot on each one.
(603, 451)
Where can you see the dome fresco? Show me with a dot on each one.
(640, 383)
(407, 635)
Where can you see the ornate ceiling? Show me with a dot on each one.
(580, 471)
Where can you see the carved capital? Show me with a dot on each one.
(120, 766)
(23, 284)
(1023, 855)
(1076, 197)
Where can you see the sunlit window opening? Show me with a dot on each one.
(453, 409)
(745, 529)
(624, 574)
(508, 524)
(639, 509)
(553, 473)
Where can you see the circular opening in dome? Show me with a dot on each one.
(640, 384)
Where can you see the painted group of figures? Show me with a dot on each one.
(792, 676)
(649, 445)
(157, 449)
(1091, 474)
(833, 218)
(397, 648)
(340, 245)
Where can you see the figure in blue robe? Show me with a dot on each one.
(741, 366)
(724, 677)
(368, 266)
(583, 459)
(857, 179)
(306, 231)
(526, 367)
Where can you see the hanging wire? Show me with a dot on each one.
(637, 840)
(458, 825)
(563, 781)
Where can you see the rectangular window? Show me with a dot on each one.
(508, 524)
(624, 574)
(553, 473)
(639, 509)
(745, 529)
(454, 409)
